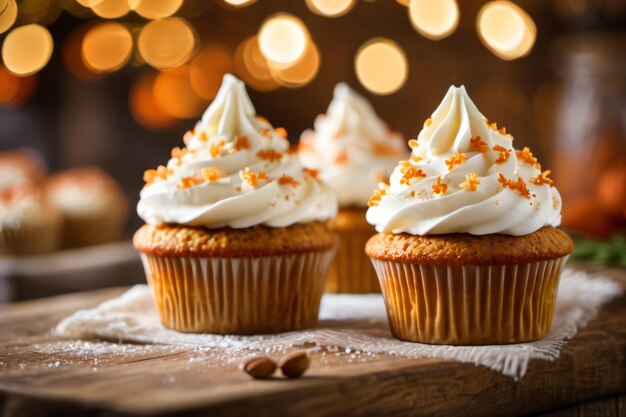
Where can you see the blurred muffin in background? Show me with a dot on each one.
(93, 206)
(28, 224)
(20, 165)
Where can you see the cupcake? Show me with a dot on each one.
(28, 225)
(468, 252)
(236, 240)
(353, 150)
(93, 207)
(20, 166)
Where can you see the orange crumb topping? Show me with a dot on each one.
(428, 122)
(341, 157)
(212, 174)
(376, 198)
(519, 186)
(261, 118)
(203, 136)
(241, 142)
(281, 131)
(527, 156)
(413, 143)
(555, 202)
(188, 182)
(439, 188)
(178, 153)
(252, 178)
(187, 137)
(478, 144)
(150, 175)
(410, 172)
(269, 154)
(471, 182)
(265, 133)
(543, 179)
(216, 149)
(314, 173)
(454, 160)
(503, 154)
(383, 149)
(288, 180)
(415, 158)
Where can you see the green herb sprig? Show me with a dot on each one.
(611, 252)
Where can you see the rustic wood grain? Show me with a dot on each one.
(42, 375)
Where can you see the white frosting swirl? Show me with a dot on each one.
(236, 171)
(351, 147)
(506, 192)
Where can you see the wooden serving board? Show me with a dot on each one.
(41, 374)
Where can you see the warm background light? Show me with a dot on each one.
(302, 72)
(155, 9)
(330, 8)
(238, 3)
(506, 29)
(111, 9)
(381, 66)
(174, 93)
(107, 47)
(144, 107)
(166, 43)
(15, 91)
(72, 54)
(8, 16)
(434, 19)
(27, 49)
(208, 68)
(89, 3)
(283, 39)
(252, 67)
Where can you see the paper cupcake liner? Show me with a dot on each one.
(470, 305)
(257, 295)
(30, 239)
(351, 270)
(90, 230)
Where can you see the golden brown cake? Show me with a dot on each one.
(237, 240)
(351, 271)
(468, 252)
(93, 207)
(353, 150)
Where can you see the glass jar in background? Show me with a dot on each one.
(589, 158)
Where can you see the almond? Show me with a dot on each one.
(259, 368)
(295, 364)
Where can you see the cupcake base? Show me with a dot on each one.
(32, 239)
(93, 229)
(256, 295)
(470, 305)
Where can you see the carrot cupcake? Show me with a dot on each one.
(28, 225)
(353, 150)
(468, 250)
(93, 206)
(19, 166)
(236, 240)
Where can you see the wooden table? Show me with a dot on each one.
(43, 375)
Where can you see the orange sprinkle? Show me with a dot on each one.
(265, 133)
(543, 179)
(439, 188)
(341, 157)
(415, 158)
(216, 149)
(188, 182)
(151, 175)
(428, 122)
(241, 142)
(261, 118)
(212, 174)
(252, 178)
(376, 198)
(409, 173)
(413, 143)
(503, 154)
(454, 160)
(519, 186)
(478, 144)
(288, 180)
(281, 131)
(471, 182)
(527, 156)
(269, 155)
(187, 137)
(314, 173)
(178, 153)
(203, 136)
(383, 149)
